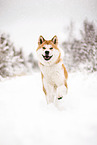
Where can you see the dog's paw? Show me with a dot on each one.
(59, 103)
(61, 91)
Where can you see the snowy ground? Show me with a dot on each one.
(26, 119)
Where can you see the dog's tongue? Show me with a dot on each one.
(46, 57)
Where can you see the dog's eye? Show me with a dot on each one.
(51, 48)
(44, 48)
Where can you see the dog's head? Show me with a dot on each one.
(47, 51)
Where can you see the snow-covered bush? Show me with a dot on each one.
(12, 61)
(82, 54)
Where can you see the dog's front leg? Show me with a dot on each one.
(49, 92)
(61, 91)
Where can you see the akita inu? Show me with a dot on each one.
(53, 72)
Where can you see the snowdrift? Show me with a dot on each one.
(26, 119)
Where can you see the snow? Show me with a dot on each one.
(26, 119)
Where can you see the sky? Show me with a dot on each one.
(25, 20)
(49, 10)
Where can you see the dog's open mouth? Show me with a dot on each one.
(47, 57)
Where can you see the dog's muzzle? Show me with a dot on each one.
(46, 56)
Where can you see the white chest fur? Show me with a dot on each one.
(53, 74)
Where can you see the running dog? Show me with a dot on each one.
(53, 72)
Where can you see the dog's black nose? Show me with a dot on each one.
(46, 52)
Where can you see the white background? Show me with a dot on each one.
(25, 20)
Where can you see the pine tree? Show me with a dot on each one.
(89, 40)
(5, 55)
(12, 62)
(82, 54)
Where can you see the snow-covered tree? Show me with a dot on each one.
(6, 54)
(12, 62)
(33, 64)
(82, 52)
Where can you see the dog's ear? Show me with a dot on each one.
(41, 40)
(55, 40)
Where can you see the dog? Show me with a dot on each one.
(53, 72)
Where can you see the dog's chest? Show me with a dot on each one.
(53, 74)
